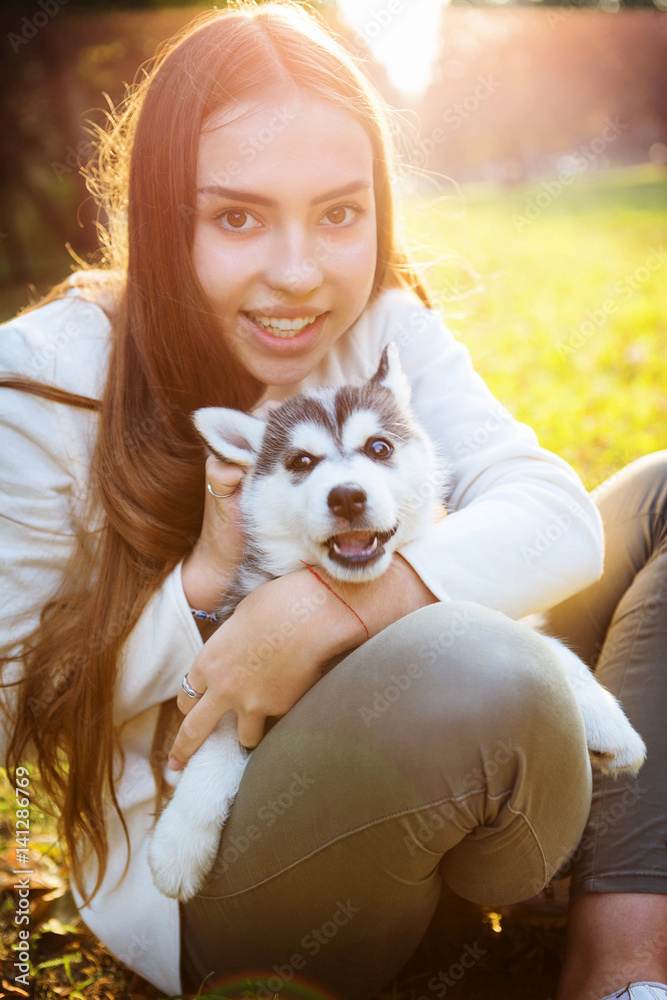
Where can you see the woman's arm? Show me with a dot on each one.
(209, 569)
(522, 533)
(274, 647)
(45, 453)
(38, 536)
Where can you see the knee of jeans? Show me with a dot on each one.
(475, 663)
(639, 486)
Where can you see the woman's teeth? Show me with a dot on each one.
(284, 328)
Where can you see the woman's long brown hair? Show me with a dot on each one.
(168, 357)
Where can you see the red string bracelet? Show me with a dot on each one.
(324, 583)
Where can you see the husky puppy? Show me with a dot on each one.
(339, 478)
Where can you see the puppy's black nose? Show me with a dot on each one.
(347, 500)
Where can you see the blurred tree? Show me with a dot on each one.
(519, 92)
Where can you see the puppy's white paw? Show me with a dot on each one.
(626, 753)
(187, 834)
(181, 853)
(613, 745)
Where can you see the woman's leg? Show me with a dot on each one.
(448, 747)
(617, 930)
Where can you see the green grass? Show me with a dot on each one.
(554, 326)
(566, 321)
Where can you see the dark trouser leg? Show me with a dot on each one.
(619, 626)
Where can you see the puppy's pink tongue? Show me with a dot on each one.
(354, 543)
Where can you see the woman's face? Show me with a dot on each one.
(285, 240)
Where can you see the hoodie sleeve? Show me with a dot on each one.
(521, 534)
(45, 453)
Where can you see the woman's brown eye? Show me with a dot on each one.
(336, 215)
(236, 219)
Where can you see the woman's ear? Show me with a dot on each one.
(233, 436)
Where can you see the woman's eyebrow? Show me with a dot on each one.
(217, 190)
(341, 192)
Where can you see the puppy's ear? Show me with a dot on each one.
(390, 374)
(233, 436)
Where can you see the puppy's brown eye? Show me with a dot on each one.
(302, 462)
(378, 448)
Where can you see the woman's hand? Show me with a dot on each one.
(273, 649)
(209, 569)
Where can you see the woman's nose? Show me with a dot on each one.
(295, 265)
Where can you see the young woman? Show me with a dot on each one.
(251, 254)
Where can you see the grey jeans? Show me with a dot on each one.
(449, 749)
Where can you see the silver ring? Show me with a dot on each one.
(190, 691)
(221, 496)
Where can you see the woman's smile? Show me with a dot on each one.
(285, 336)
(285, 241)
(287, 329)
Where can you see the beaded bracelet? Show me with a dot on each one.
(203, 616)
